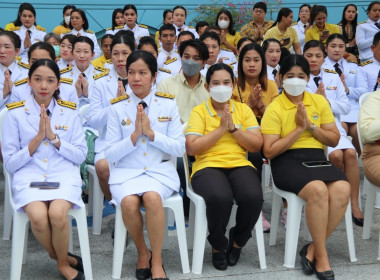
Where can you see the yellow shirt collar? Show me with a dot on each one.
(289, 104)
(212, 111)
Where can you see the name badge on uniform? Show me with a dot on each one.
(164, 119)
(61, 127)
(352, 72)
(315, 115)
(123, 122)
(331, 88)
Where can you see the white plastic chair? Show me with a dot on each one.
(372, 191)
(7, 226)
(176, 205)
(20, 237)
(295, 205)
(95, 194)
(198, 227)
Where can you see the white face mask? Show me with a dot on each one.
(223, 24)
(221, 93)
(294, 86)
(67, 19)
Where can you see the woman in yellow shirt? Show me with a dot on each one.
(218, 134)
(229, 36)
(296, 127)
(64, 27)
(320, 30)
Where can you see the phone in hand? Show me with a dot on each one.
(286, 41)
(322, 163)
(325, 32)
(45, 185)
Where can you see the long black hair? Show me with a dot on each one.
(299, 11)
(52, 65)
(23, 7)
(231, 29)
(294, 60)
(83, 16)
(284, 12)
(354, 22)
(114, 14)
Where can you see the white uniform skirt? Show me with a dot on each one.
(353, 115)
(138, 186)
(344, 142)
(27, 195)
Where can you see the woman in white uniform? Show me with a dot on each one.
(66, 58)
(328, 84)
(366, 31)
(79, 27)
(302, 23)
(45, 143)
(21, 88)
(143, 134)
(106, 87)
(130, 17)
(83, 72)
(347, 71)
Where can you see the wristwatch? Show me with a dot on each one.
(312, 128)
(234, 129)
(56, 140)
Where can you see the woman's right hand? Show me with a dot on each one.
(27, 41)
(8, 84)
(255, 96)
(42, 127)
(78, 86)
(138, 124)
(300, 117)
(120, 89)
(321, 90)
(224, 119)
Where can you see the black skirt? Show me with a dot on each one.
(290, 175)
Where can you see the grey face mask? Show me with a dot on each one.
(190, 67)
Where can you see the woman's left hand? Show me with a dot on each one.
(321, 90)
(146, 130)
(120, 89)
(49, 133)
(84, 86)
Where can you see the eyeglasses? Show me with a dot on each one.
(258, 11)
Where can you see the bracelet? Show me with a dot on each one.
(56, 140)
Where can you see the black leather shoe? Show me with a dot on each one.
(79, 265)
(325, 275)
(358, 221)
(233, 253)
(79, 276)
(166, 278)
(307, 266)
(144, 273)
(219, 260)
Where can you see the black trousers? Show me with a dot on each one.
(219, 187)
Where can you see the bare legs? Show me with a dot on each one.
(50, 227)
(351, 129)
(155, 221)
(325, 208)
(103, 172)
(347, 161)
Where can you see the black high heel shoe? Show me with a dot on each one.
(325, 275)
(166, 278)
(358, 221)
(307, 266)
(219, 260)
(233, 253)
(144, 273)
(79, 265)
(79, 276)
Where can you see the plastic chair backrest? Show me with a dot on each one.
(83, 111)
(3, 115)
(362, 99)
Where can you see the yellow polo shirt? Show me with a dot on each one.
(226, 153)
(60, 29)
(279, 118)
(267, 96)
(232, 39)
(275, 33)
(99, 62)
(313, 33)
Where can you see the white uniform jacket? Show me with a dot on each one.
(105, 89)
(139, 31)
(300, 29)
(350, 71)
(36, 35)
(47, 162)
(367, 76)
(364, 38)
(147, 157)
(63, 63)
(185, 28)
(87, 33)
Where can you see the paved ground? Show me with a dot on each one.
(39, 266)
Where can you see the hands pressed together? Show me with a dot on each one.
(142, 126)
(81, 86)
(44, 127)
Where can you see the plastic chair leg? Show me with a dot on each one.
(70, 221)
(350, 233)
(119, 245)
(97, 202)
(368, 213)
(8, 214)
(165, 244)
(275, 219)
(190, 229)
(19, 244)
(200, 232)
(260, 242)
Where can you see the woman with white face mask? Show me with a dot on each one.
(296, 127)
(64, 27)
(229, 37)
(219, 133)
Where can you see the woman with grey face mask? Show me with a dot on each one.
(219, 133)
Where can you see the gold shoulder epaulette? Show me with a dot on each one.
(120, 98)
(102, 69)
(165, 95)
(165, 70)
(89, 31)
(66, 81)
(58, 57)
(330, 71)
(366, 63)
(68, 104)
(109, 28)
(192, 27)
(27, 66)
(351, 61)
(20, 82)
(14, 105)
(226, 49)
(362, 22)
(102, 74)
(109, 61)
(232, 63)
(65, 70)
(16, 28)
(66, 32)
(170, 61)
(18, 58)
(119, 27)
(294, 23)
(40, 28)
(143, 26)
